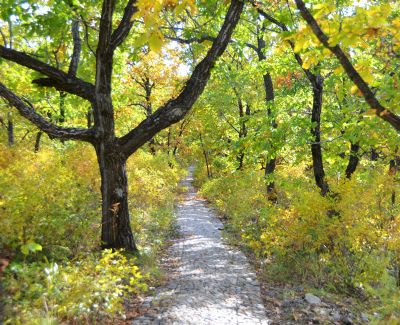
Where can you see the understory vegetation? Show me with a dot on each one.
(347, 244)
(49, 220)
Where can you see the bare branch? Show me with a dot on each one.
(231, 125)
(51, 129)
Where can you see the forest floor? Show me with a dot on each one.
(211, 282)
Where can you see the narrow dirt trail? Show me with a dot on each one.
(213, 283)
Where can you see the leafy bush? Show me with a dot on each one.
(81, 291)
(347, 242)
(49, 198)
(50, 221)
(153, 184)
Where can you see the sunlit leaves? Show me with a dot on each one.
(151, 14)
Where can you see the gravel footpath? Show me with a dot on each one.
(213, 283)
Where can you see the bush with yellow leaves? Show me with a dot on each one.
(50, 225)
(50, 198)
(346, 242)
(81, 291)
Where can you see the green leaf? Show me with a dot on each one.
(30, 248)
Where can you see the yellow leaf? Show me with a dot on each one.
(306, 64)
(299, 45)
(354, 89)
(338, 70)
(155, 42)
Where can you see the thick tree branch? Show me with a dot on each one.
(352, 73)
(51, 129)
(104, 44)
(123, 29)
(56, 78)
(174, 110)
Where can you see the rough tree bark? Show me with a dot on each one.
(112, 152)
(316, 149)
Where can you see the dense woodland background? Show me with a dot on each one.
(295, 140)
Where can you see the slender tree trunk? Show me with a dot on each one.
(316, 149)
(394, 167)
(169, 141)
(37, 141)
(269, 170)
(116, 230)
(10, 130)
(374, 154)
(174, 151)
(148, 87)
(353, 159)
(62, 107)
(182, 127)
(209, 174)
(242, 133)
(271, 163)
(89, 118)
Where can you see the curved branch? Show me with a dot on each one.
(51, 129)
(352, 73)
(123, 29)
(175, 109)
(56, 78)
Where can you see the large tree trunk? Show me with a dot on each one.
(116, 230)
(316, 149)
